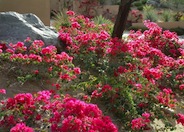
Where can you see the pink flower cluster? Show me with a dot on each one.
(71, 13)
(21, 127)
(101, 90)
(141, 123)
(180, 118)
(166, 98)
(18, 47)
(79, 116)
(2, 91)
(153, 73)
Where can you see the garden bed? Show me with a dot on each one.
(138, 80)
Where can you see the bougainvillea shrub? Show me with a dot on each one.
(45, 111)
(37, 61)
(140, 74)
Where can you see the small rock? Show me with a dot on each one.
(155, 3)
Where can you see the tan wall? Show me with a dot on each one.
(166, 25)
(55, 5)
(58, 5)
(41, 8)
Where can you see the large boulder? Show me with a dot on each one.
(16, 27)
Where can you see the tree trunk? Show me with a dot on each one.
(121, 19)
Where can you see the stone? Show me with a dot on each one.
(16, 27)
(155, 3)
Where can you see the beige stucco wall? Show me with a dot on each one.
(55, 5)
(166, 25)
(41, 8)
(58, 5)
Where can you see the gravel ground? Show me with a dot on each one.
(181, 37)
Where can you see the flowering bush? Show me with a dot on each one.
(37, 62)
(131, 76)
(44, 110)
